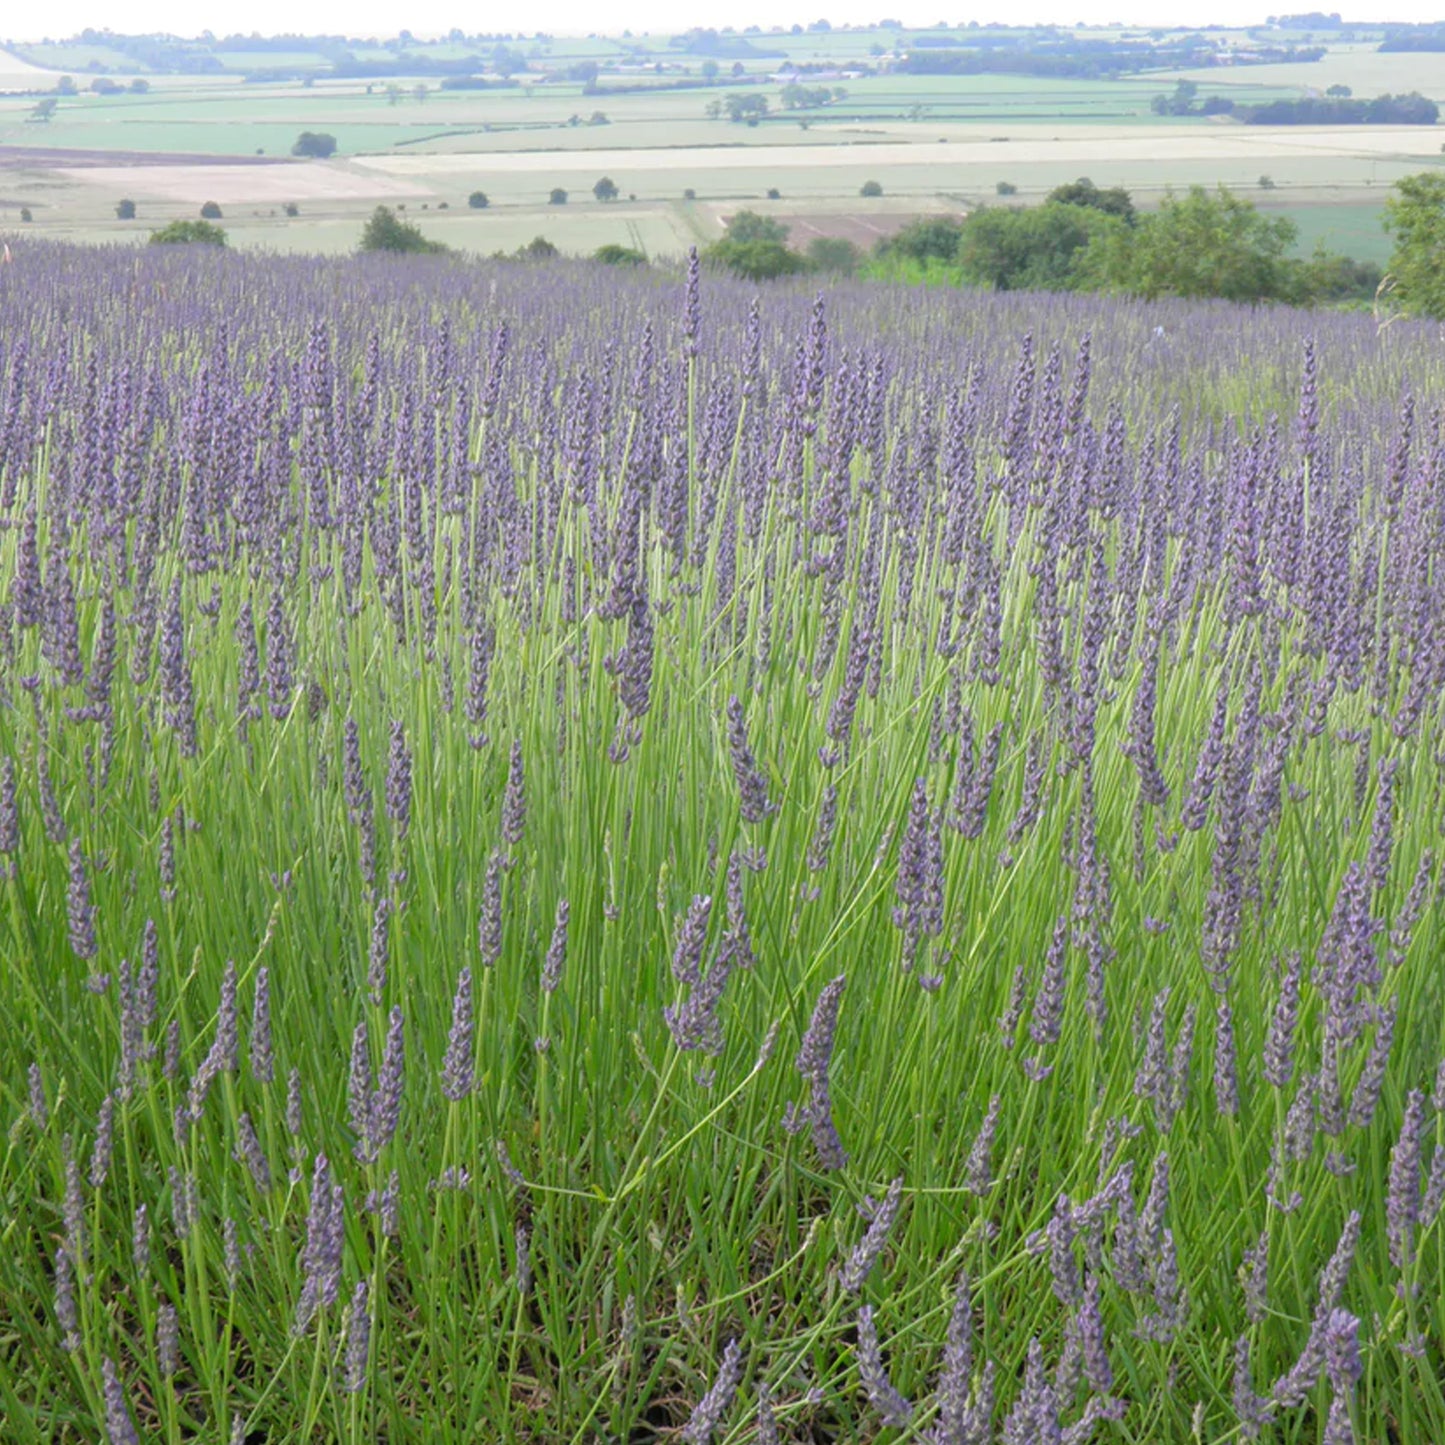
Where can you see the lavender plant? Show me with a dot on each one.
(512, 691)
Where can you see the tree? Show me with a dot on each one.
(384, 232)
(315, 144)
(689, 194)
(833, 253)
(1029, 248)
(558, 197)
(750, 226)
(614, 255)
(291, 209)
(1196, 245)
(1006, 188)
(66, 86)
(210, 211)
(44, 109)
(741, 106)
(25, 215)
(605, 189)
(539, 248)
(1115, 201)
(125, 210)
(871, 188)
(1415, 217)
(755, 260)
(1339, 92)
(188, 233)
(774, 194)
(478, 201)
(139, 86)
(929, 238)
(710, 69)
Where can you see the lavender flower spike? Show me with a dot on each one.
(752, 785)
(457, 1073)
(119, 1428)
(708, 1414)
(891, 1406)
(865, 1254)
(814, 1059)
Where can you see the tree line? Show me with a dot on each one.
(1082, 238)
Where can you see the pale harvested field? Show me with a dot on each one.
(17, 74)
(1081, 145)
(1363, 68)
(237, 183)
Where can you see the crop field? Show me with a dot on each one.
(933, 142)
(592, 855)
(1348, 230)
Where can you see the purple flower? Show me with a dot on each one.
(865, 1254)
(321, 1256)
(119, 1428)
(398, 782)
(514, 800)
(1402, 1208)
(489, 923)
(81, 913)
(556, 957)
(892, 1408)
(457, 1073)
(262, 1060)
(815, 1058)
(708, 1414)
(9, 813)
(978, 1171)
(752, 785)
(358, 1341)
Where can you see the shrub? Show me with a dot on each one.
(291, 208)
(1266, 183)
(210, 211)
(755, 260)
(750, 226)
(1114, 201)
(478, 201)
(689, 194)
(315, 144)
(383, 232)
(25, 214)
(125, 210)
(558, 197)
(871, 188)
(188, 233)
(834, 253)
(774, 194)
(929, 238)
(615, 255)
(1006, 188)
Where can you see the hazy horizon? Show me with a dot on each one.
(426, 18)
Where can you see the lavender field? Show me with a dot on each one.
(608, 858)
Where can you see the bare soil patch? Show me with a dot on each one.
(863, 231)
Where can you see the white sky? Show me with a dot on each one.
(59, 18)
